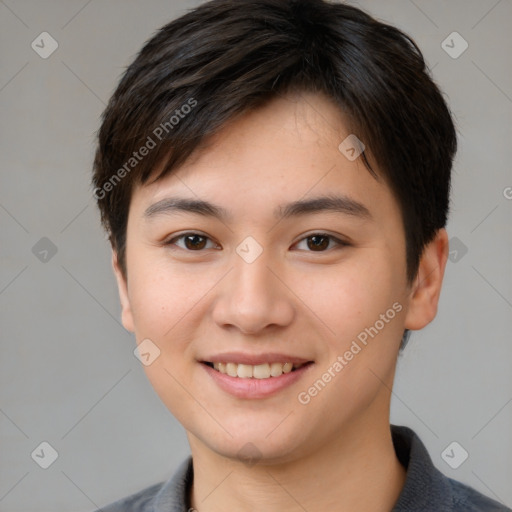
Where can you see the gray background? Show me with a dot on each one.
(68, 375)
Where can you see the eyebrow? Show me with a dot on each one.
(339, 204)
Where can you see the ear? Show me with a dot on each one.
(425, 291)
(122, 285)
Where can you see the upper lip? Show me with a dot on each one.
(254, 359)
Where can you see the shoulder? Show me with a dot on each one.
(467, 499)
(426, 488)
(168, 496)
(141, 501)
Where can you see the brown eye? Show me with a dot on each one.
(320, 242)
(192, 242)
(195, 242)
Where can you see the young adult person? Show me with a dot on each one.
(274, 176)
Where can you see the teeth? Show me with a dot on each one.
(259, 371)
(287, 367)
(244, 371)
(231, 369)
(276, 369)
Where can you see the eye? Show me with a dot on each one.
(319, 242)
(193, 242)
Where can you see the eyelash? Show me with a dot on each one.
(171, 242)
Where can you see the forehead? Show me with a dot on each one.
(287, 150)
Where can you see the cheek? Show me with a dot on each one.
(170, 307)
(166, 306)
(161, 295)
(351, 297)
(362, 310)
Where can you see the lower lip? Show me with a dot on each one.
(252, 387)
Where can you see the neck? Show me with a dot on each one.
(357, 470)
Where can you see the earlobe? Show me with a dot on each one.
(426, 289)
(122, 285)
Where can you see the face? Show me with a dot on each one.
(270, 273)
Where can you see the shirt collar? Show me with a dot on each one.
(425, 488)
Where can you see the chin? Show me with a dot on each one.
(257, 445)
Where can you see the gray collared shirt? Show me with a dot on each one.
(426, 489)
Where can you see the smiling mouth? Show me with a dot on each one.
(258, 371)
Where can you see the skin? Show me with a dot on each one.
(328, 454)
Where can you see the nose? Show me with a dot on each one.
(253, 297)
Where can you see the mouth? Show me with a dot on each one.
(254, 376)
(257, 371)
